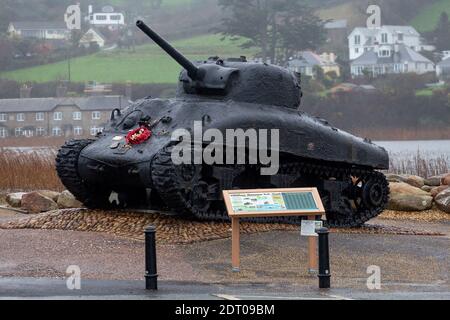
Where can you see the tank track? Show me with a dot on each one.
(165, 179)
(67, 169)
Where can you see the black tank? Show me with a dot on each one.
(123, 169)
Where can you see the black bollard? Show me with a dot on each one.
(151, 275)
(324, 259)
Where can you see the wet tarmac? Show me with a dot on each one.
(33, 264)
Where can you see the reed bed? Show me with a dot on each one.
(28, 170)
(33, 168)
(420, 164)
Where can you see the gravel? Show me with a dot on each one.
(170, 230)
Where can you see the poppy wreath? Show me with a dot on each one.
(138, 136)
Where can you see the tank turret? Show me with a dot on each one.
(233, 79)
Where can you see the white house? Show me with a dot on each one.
(383, 38)
(38, 30)
(305, 62)
(93, 36)
(108, 18)
(398, 58)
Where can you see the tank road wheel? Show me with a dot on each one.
(366, 198)
(67, 169)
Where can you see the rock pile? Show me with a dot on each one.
(42, 201)
(413, 193)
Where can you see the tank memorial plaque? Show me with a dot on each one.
(263, 203)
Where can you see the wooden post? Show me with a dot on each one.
(313, 264)
(235, 244)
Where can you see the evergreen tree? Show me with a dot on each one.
(277, 27)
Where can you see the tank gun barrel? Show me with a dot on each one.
(192, 70)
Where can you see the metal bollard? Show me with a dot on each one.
(151, 275)
(324, 259)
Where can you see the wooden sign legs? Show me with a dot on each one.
(313, 263)
(235, 244)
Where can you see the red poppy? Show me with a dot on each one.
(139, 135)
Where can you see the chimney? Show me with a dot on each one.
(90, 10)
(61, 91)
(25, 92)
(129, 91)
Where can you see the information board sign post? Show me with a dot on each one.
(263, 203)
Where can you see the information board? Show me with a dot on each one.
(273, 202)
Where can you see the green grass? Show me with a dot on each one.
(424, 92)
(149, 64)
(429, 17)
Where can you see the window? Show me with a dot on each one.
(3, 133)
(358, 39)
(20, 117)
(96, 115)
(57, 116)
(385, 53)
(77, 115)
(95, 131)
(101, 17)
(116, 17)
(56, 132)
(77, 131)
(28, 133)
(39, 116)
(384, 38)
(40, 132)
(400, 37)
(18, 132)
(3, 117)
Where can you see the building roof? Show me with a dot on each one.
(308, 59)
(38, 25)
(407, 30)
(404, 54)
(336, 24)
(94, 30)
(95, 103)
(370, 32)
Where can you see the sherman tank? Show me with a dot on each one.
(131, 165)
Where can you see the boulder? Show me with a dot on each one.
(443, 200)
(427, 188)
(50, 194)
(446, 180)
(438, 190)
(395, 178)
(433, 181)
(66, 200)
(15, 199)
(406, 189)
(34, 202)
(415, 181)
(409, 202)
